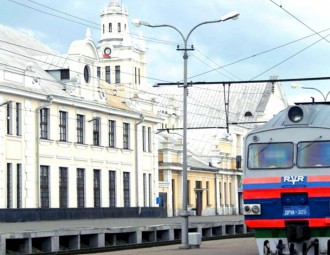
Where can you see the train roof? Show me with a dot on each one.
(315, 114)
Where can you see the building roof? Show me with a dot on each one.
(206, 112)
(18, 57)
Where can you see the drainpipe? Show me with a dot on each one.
(37, 111)
(137, 158)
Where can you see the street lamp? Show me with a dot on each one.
(185, 213)
(297, 86)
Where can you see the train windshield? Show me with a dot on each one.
(270, 155)
(313, 154)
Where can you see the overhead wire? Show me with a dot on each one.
(78, 18)
(288, 58)
(169, 43)
(298, 52)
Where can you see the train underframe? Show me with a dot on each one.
(295, 239)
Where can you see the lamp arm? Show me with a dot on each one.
(200, 24)
(325, 98)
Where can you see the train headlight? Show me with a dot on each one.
(247, 209)
(295, 114)
(252, 209)
(255, 209)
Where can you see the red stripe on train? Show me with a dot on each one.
(276, 193)
(280, 223)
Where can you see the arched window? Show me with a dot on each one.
(87, 73)
(248, 114)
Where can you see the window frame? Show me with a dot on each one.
(44, 186)
(96, 132)
(108, 74)
(81, 188)
(18, 119)
(63, 187)
(117, 74)
(112, 188)
(112, 133)
(97, 187)
(80, 128)
(126, 135)
(44, 123)
(63, 121)
(266, 147)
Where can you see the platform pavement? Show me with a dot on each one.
(110, 222)
(241, 246)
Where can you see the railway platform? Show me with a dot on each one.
(66, 235)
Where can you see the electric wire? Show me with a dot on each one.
(300, 21)
(288, 58)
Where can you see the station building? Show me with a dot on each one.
(82, 129)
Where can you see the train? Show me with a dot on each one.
(286, 181)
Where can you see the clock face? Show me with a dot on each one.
(107, 51)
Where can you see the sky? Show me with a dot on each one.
(288, 38)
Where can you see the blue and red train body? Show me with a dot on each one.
(286, 181)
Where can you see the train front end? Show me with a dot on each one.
(286, 182)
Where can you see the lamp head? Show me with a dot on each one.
(232, 15)
(296, 86)
(137, 23)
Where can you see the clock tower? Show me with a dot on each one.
(122, 59)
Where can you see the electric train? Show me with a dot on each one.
(286, 181)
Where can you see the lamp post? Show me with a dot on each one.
(296, 86)
(185, 213)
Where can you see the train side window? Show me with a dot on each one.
(270, 155)
(313, 154)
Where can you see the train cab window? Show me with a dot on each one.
(270, 155)
(313, 154)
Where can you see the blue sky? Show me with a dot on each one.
(263, 26)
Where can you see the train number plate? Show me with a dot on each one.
(296, 211)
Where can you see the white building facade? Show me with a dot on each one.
(71, 137)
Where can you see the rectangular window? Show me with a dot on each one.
(188, 192)
(97, 188)
(119, 27)
(65, 74)
(80, 128)
(81, 187)
(126, 130)
(149, 139)
(150, 190)
(98, 72)
(19, 185)
(44, 118)
(270, 155)
(110, 27)
(144, 138)
(9, 118)
(139, 76)
(117, 74)
(127, 198)
(112, 133)
(107, 74)
(145, 192)
(96, 132)
(207, 193)
(135, 75)
(313, 154)
(112, 188)
(9, 185)
(18, 119)
(44, 186)
(63, 187)
(63, 126)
